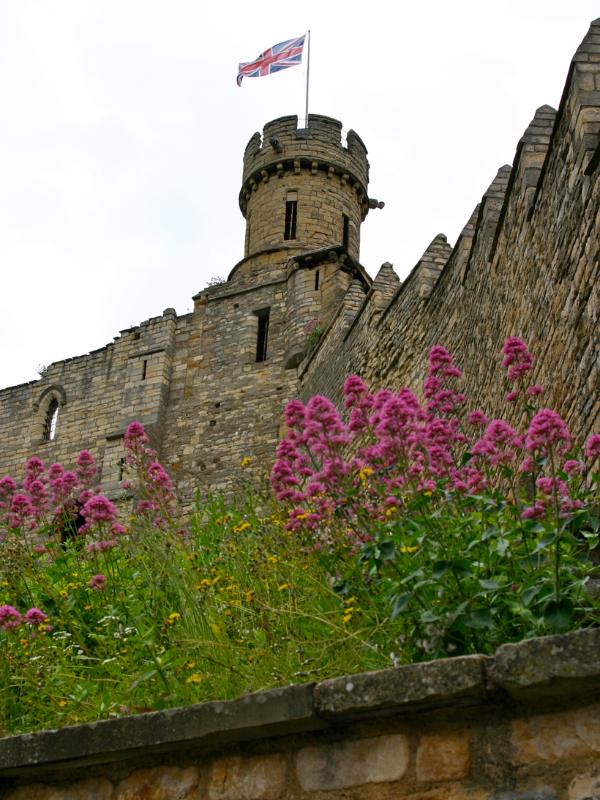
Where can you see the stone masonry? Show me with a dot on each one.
(210, 385)
(522, 725)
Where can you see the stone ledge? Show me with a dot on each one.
(552, 667)
(539, 669)
(260, 715)
(429, 685)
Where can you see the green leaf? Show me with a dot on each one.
(428, 616)
(558, 614)
(387, 550)
(528, 594)
(399, 604)
(462, 566)
(545, 542)
(440, 568)
(502, 546)
(488, 583)
(479, 619)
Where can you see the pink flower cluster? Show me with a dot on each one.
(10, 618)
(44, 493)
(390, 445)
(157, 500)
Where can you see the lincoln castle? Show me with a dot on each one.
(210, 385)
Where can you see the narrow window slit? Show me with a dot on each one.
(262, 334)
(51, 421)
(316, 280)
(291, 214)
(144, 369)
(121, 468)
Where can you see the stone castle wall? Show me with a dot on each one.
(522, 725)
(526, 264)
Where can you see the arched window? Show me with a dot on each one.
(51, 420)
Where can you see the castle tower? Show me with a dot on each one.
(304, 197)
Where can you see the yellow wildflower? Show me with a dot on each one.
(282, 587)
(245, 462)
(364, 473)
(62, 703)
(408, 549)
(172, 618)
(63, 593)
(241, 526)
(194, 678)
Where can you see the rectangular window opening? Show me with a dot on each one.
(345, 231)
(262, 334)
(144, 369)
(316, 280)
(291, 214)
(121, 468)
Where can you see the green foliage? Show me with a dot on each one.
(234, 604)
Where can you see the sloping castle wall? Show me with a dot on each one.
(525, 264)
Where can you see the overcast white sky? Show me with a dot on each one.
(122, 133)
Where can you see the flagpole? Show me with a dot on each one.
(307, 75)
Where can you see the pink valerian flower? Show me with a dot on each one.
(573, 467)
(97, 582)
(548, 430)
(592, 446)
(99, 509)
(55, 471)
(38, 497)
(568, 506)
(21, 510)
(517, 358)
(34, 467)
(135, 437)
(39, 549)
(35, 616)
(527, 465)
(510, 397)
(9, 617)
(537, 510)
(535, 390)
(477, 418)
(117, 529)
(145, 507)
(442, 398)
(86, 467)
(101, 546)
(548, 485)
(497, 445)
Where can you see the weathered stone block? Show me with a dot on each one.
(340, 765)
(254, 778)
(160, 783)
(554, 737)
(443, 756)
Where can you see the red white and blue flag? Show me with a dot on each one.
(280, 56)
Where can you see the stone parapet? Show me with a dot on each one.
(463, 728)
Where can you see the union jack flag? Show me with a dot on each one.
(280, 56)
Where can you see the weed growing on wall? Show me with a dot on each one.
(401, 530)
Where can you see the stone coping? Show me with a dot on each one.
(546, 670)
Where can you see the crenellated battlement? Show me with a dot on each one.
(286, 148)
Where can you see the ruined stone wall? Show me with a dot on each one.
(527, 264)
(98, 395)
(522, 725)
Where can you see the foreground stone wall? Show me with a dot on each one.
(523, 725)
(527, 264)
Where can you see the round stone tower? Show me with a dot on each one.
(308, 167)
(304, 197)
